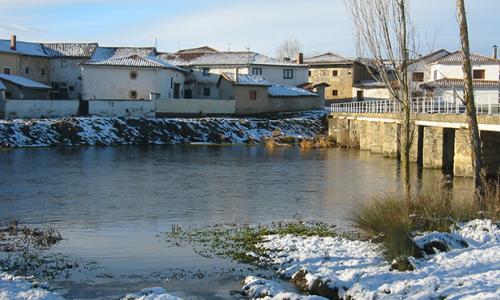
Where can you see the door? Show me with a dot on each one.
(177, 90)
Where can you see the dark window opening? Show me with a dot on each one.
(188, 93)
(309, 73)
(335, 73)
(359, 95)
(6, 71)
(206, 72)
(177, 90)
(27, 70)
(42, 72)
(418, 76)
(71, 88)
(335, 92)
(257, 71)
(206, 92)
(133, 94)
(252, 95)
(133, 75)
(478, 74)
(288, 74)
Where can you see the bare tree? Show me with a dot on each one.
(475, 139)
(385, 35)
(289, 48)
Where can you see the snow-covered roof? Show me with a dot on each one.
(24, 48)
(327, 58)
(235, 59)
(23, 81)
(433, 56)
(134, 61)
(103, 53)
(171, 58)
(459, 83)
(369, 84)
(458, 57)
(246, 79)
(84, 50)
(197, 50)
(277, 90)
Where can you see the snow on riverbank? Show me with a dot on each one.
(357, 268)
(15, 287)
(128, 131)
(156, 293)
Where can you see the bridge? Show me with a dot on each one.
(439, 133)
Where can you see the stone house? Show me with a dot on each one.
(447, 78)
(256, 95)
(24, 59)
(65, 72)
(131, 78)
(339, 72)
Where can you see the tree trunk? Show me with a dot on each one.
(405, 152)
(475, 140)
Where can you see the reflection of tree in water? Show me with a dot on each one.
(25, 253)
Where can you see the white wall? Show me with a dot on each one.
(114, 83)
(71, 74)
(372, 93)
(122, 108)
(195, 106)
(31, 109)
(481, 95)
(455, 71)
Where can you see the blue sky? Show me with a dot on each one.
(321, 25)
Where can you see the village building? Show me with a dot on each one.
(447, 81)
(254, 94)
(24, 59)
(340, 73)
(207, 64)
(65, 72)
(132, 78)
(419, 71)
(18, 87)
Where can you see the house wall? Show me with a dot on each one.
(114, 83)
(18, 64)
(195, 107)
(482, 96)
(372, 93)
(70, 75)
(11, 109)
(492, 71)
(122, 108)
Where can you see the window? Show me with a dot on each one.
(71, 88)
(171, 83)
(288, 74)
(335, 73)
(417, 76)
(309, 73)
(478, 74)
(323, 73)
(252, 95)
(359, 95)
(42, 71)
(188, 93)
(133, 94)
(257, 71)
(206, 92)
(6, 70)
(26, 70)
(133, 74)
(177, 90)
(335, 92)
(64, 64)
(206, 72)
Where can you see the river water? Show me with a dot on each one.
(112, 204)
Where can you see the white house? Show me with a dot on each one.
(419, 70)
(65, 72)
(447, 78)
(132, 78)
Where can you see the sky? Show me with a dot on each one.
(258, 25)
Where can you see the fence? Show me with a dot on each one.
(418, 105)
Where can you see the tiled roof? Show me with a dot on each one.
(369, 83)
(327, 58)
(459, 83)
(24, 48)
(247, 79)
(102, 53)
(23, 81)
(235, 58)
(197, 50)
(83, 50)
(458, 57)
(133, 61)
(171, 58)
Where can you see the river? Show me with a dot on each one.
(112, 204)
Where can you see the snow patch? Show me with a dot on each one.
(260, 288)
(16, 287)
(156, 293)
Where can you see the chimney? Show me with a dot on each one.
(495, 52)
(236, 74)
(13, 42)
(300, 58)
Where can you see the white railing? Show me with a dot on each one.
(418, 105)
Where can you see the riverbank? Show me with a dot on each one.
(340, 268)
(142, 131)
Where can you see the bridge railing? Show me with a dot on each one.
(418, 105)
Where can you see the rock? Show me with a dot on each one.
(430, 248)
(402, 264)
(318, 287)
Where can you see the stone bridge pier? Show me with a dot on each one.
(438, 141)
